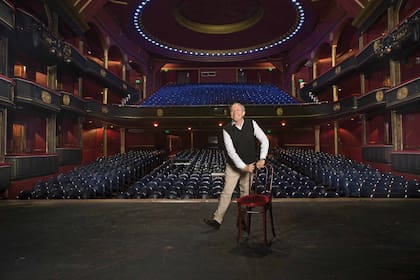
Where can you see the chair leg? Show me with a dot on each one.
(249, 221)
(264, 213)
(239, 223)
(272, 222)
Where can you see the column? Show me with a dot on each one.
(51, 138)
(294, 85)
(364, 132)
(105, 141)
(122, 140)
(105, 96)
(395, 72)
(362, 75)
(80, 79)
(80, 86)
(52, 77)
(362, 84)
(124, 72)
(335, 93)
(336, 128)
(3, 133)
(192, 139)
(333, 55)
(317, 132)
(106, 61)
(394, 66)
(397, 133)
(105, 90)
(4, 56)
(144, 95)
(80, 131)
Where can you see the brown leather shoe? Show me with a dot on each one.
(214, 224)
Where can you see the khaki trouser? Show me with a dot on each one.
(232, 175)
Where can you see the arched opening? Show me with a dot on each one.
(94, 48)
(115, 61)
(323, 58)
(347, 43)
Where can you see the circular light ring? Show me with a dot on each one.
(224, 53)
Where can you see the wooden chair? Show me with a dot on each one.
(260, 196)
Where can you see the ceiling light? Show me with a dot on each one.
(139, 27)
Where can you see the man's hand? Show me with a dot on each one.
(249, 168)
(260, 163)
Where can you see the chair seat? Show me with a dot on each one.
(253, 200)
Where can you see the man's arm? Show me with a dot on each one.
(260, 135)
(231, 151)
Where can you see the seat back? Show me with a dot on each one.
(261, 181)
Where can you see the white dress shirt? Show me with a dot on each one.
(258, 133)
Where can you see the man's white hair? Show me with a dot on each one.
(239, 104)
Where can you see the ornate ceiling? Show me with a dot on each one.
(221, 29)
(216, 30)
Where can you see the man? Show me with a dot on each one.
(240, 138)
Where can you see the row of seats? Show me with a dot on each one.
(218, 94)
(199, 174)
(347, 177)
(100, 179)
(189, 174)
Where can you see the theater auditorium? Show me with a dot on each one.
(112, 152)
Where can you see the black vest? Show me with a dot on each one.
(244, 141)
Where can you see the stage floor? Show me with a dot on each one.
(139, 239)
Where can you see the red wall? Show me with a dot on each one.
(411, 131)
(298, 137)
(114, 141)
(377, 79)
(92, 144)
(35, 131)
(69, 132)
(350, 138)
(222, 76)
(410, 69)
(375, 130)
(144, 138)
(327, 139)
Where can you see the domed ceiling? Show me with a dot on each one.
(220, 30)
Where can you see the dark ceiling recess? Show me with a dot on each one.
(220, 30)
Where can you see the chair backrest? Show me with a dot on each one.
(261, 181)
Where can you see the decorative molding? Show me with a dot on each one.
(402, 93)
(379, 96)
(46, 97)
(219, 28)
